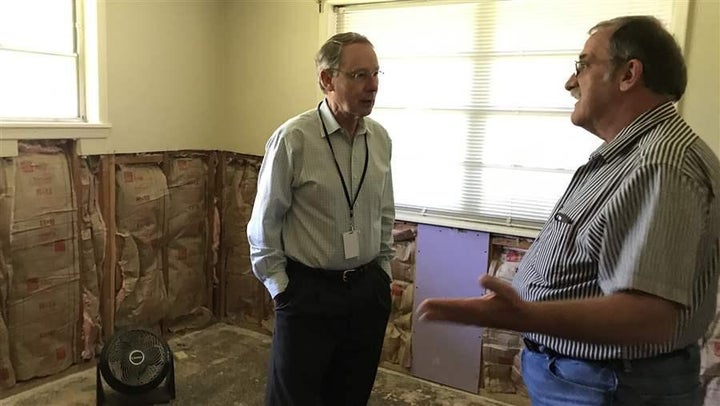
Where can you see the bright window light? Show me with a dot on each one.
(38, 60)
(473, 98)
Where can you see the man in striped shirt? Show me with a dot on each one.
(621, 283)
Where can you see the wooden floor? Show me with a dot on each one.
(226, 365)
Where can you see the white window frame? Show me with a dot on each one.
(92, 83)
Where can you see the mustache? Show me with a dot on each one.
(575, 93)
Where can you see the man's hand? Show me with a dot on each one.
(500, 303)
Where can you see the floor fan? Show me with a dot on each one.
(138, 366)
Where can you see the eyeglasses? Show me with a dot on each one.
(360, 75)
(582, 64)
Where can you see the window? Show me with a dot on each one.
(473, 99)
(39, 68)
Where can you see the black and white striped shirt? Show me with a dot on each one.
(642, 214)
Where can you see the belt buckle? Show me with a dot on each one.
(347, 274)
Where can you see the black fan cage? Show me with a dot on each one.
(135, 361)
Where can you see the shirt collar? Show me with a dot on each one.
(331, 123)
(631, 134)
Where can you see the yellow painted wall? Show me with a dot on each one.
(701, 104)
(270, 77)
(164, 85)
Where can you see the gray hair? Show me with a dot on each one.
(644, 38)
(328, 57)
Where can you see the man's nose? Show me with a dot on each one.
(571, 82)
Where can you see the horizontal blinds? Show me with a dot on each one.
(473, 99)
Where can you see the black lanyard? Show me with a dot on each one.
(350, 203)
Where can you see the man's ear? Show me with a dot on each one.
(326, 80)
(632, 75)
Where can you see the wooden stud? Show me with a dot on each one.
(107, 208)
(220, 298)
(210, 266)
(514, 242)
(75, 176)
(165, 165)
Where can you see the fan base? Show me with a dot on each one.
(146, 399)
(161, 395)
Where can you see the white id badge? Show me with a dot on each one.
(351, 243)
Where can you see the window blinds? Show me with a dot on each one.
(474, 102)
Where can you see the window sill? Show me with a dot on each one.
(514, 231)
(12, 132)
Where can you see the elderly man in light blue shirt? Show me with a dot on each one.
(320, 235)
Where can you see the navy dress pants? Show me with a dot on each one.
(329, 331)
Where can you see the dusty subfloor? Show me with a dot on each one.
(225, 365)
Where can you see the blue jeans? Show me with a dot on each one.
(667, 380)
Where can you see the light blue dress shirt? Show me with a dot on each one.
(301, 211)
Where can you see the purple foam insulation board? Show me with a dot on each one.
(449, 263)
